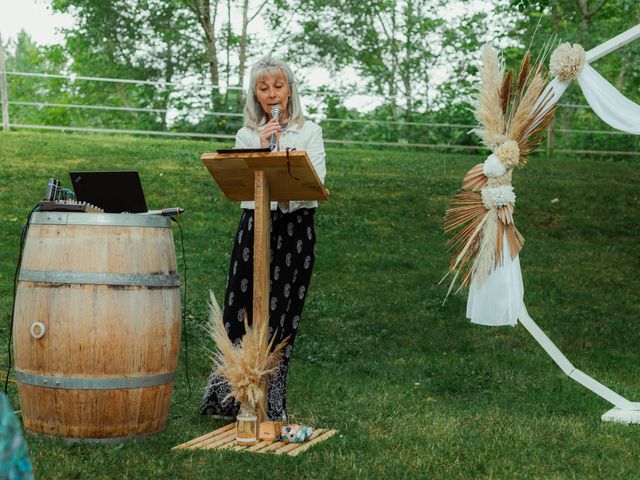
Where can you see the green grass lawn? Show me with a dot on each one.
(414, 389)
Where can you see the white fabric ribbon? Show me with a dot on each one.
(498, 301)
(608, 103)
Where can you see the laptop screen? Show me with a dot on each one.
(114, 192)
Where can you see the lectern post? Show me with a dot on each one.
(261, 248)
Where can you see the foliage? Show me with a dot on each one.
(394, 46)
(30, 57)
(589, 23)
(418, 57)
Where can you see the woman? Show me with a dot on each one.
(292, 233)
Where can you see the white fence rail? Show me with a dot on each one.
(7, 124)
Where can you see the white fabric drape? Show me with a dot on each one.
(498, 301)
(608, 103)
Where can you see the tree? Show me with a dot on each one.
(24, 55)
(590, 23)
(206, 13)
(133, 39)
(392, 44)
(417, 55)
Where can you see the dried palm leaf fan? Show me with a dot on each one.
(248, 365)
(513, 113)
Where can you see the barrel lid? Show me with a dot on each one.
(99, 219)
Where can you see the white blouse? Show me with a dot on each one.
(307, 138)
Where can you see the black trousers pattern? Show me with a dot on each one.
(292, 257)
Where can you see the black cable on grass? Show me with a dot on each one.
(23, 236)
(184, 316)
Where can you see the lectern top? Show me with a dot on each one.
(291, 175)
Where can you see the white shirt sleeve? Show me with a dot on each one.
(315, 150)
(246, 138)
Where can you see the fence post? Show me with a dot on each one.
(4, 91)
(549, 139)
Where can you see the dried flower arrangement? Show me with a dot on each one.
(513, 111)
(248, 365)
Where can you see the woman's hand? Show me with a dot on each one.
(269, 129)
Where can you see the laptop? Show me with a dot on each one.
(114, 192)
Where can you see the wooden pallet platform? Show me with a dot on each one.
(225, 439)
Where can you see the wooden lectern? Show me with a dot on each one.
(264, 177)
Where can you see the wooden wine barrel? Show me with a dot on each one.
(97, 325)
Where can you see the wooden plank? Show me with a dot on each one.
(261, 257)
(307, 445)
(204, 437)
(613, 44)
(573, 373)
(292, 446)
(544, 341)
(227, 446)
(601, 390)
(230, 437)
(292, 177)
(260, 445)
(220, 438)
(272, 447)
(261, 239)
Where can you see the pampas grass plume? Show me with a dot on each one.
(246, 366)
(488, 104)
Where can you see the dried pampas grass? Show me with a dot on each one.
(248, 365)
(488, 109)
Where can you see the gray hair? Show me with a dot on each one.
(254, 115)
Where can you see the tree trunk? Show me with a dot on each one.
(228, 65)
(587, 15)
(210, 35)
(393, 89)
(243, 47)
(406, 71)
(584, 13)
(168, 78)
(202, 9)
(555, 16)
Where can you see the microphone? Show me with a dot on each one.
(165, 212)
(275, 113)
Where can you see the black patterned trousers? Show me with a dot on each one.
(292, 257)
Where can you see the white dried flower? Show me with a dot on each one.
(493, 167)
(508, 153)
(567, 61)
(498, 196)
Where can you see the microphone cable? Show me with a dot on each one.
(184, 315)
(23, 236)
